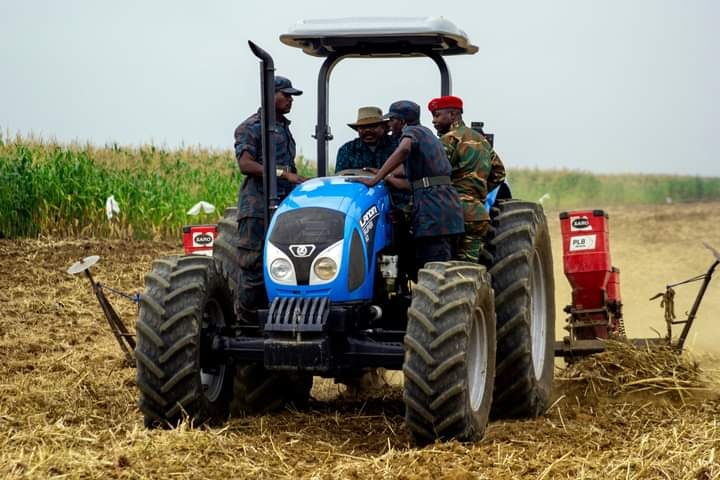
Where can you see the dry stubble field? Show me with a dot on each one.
(67, 402)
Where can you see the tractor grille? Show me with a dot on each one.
(298, 315)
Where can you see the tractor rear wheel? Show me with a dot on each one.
(185, 303)
(522, 277)
(450, 353)
(225, 249)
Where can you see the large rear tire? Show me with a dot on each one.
(450, 353)
(522, 277)
(184, 304)
(225, 249)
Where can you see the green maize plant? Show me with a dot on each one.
(53, 189)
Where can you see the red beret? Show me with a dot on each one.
(449, 101)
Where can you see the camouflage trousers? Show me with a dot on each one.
(251, 294)
(471, 243)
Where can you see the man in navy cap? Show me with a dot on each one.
(248, 151)
(437, 218)
(396, 123)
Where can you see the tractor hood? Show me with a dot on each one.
(323, 240)
(336, 193)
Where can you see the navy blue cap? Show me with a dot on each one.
(283, 84)
(405, 110)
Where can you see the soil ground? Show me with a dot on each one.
(67, 400)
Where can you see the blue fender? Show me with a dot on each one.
(502, 191)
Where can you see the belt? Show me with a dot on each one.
(426, 182)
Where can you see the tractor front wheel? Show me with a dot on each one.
(185, 304)
(449, 363)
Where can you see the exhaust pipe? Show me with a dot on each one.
(267, 122)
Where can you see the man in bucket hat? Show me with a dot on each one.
(436, 212)
(474, 166)
(248, 151)
(370, 150)
(373, 145)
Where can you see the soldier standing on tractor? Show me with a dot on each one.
(436, 211)
(248, 151)
(476, 169)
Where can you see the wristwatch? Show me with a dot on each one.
(279, 171)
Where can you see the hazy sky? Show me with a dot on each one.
(602, 86)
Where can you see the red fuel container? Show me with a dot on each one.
(199, 239)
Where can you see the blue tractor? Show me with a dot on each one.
(472, 340)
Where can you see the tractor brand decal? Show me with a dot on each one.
(582, 242)
(202, 239)
(367, 222)
(579, 223)
(302, 251)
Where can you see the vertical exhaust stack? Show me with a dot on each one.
(267, 112)
(596, 309)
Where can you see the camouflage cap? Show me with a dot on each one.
(405, 110)
(283, 84)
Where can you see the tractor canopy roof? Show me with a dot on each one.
(379, 36)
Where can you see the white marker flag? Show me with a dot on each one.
(201, 206)
(111, 207)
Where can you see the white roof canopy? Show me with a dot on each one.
(379, 36)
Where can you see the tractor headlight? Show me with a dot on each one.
(280, 269)
(325, 268)
(279, 266)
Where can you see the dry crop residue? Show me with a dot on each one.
(68, 401)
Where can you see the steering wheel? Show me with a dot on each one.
(354, 172)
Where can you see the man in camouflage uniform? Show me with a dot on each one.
(251, 226)
(373, 145)
(436, 211)
(476, 169)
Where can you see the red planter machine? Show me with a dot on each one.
(596, 308)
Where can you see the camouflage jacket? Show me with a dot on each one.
(436, 210)
(358, 154)
(476, 169)
(248, 139)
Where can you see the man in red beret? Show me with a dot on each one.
(476, 169)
